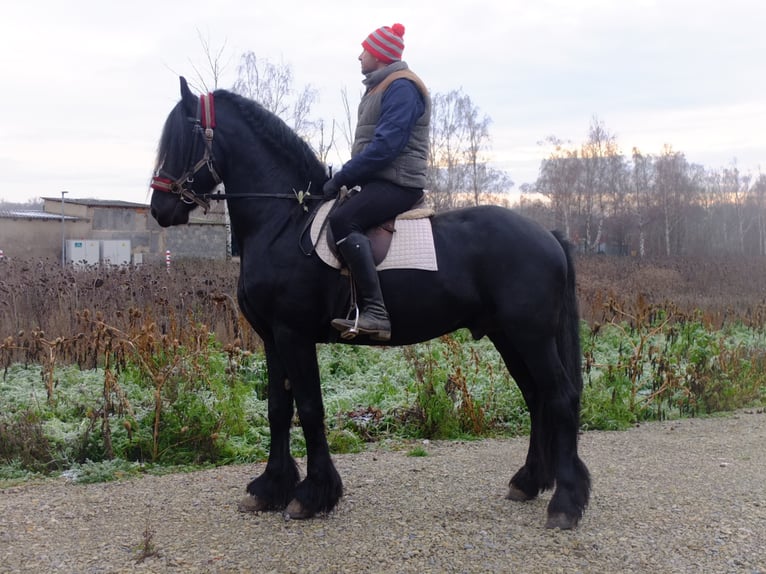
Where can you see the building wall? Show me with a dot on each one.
(135, 225)
(203, 240)
(37, 239)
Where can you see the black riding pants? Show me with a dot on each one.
(378, 201)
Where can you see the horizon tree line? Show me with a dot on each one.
(648, 204)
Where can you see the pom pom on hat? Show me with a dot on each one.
(386, 43)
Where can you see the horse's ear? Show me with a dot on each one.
(189, 100)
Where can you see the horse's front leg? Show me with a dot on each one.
(274, 489)
(322, 488)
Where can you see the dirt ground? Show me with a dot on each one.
(682, 496)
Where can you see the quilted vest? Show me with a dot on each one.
(409, 168)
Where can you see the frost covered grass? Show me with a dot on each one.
(211, 405)
(659, 366)
(160, 371)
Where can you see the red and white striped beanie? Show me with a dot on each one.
(386, 43)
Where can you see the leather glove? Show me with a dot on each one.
(331, 188)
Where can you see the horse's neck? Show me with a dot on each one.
(261, 171)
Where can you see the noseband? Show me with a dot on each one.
(203, 124)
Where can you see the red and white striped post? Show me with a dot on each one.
(1, 254)
(167, 260)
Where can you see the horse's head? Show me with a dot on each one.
(185, 169)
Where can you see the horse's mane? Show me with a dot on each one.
(175, 141)
(281, 138)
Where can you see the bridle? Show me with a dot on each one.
(203, 124)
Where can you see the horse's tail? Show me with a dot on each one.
(568, 342)
(568, 337)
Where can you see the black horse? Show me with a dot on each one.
(499, 274)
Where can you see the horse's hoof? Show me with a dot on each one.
(561, 520)
(296, 511)
(251, 503)
(517, 495)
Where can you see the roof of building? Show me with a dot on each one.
(33, 214)
(98, 202)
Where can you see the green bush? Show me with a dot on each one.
(343, 441)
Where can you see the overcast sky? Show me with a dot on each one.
(86, 85)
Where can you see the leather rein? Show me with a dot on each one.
(204, 124)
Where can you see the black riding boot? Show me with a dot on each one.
(373, 317)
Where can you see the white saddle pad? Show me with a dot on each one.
(412, 246)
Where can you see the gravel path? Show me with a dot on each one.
(682, 496)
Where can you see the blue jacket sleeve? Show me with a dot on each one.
(401, 106)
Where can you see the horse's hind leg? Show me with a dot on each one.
(537, 473)
(273, 489)
(554, 404)
(560, 399)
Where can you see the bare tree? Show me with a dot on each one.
(271, 85)
(759, 203)
(558, 179)
(642, 180)
(458, 168)
(674, 193)
(477, 135)
(600, 171)
(208, 77)
(324, 140)
(448, 138)
(736, 187)
(586, 183)
(349, 124)
(619, 215)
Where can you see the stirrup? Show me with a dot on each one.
(352, 332)
(350, 329)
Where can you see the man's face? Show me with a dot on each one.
(369, 62)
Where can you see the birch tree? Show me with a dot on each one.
(759, 201)
(674, 192)
(558, 180)
(598, 154)
(736, 188)
(642, 178)
(447, 140)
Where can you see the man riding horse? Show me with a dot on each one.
(388, 161)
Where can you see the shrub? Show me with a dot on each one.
(23, 442)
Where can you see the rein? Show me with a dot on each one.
(300, 196)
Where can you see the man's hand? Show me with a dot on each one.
(331, 188)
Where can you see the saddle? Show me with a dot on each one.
(380, 235)
(405, 242)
